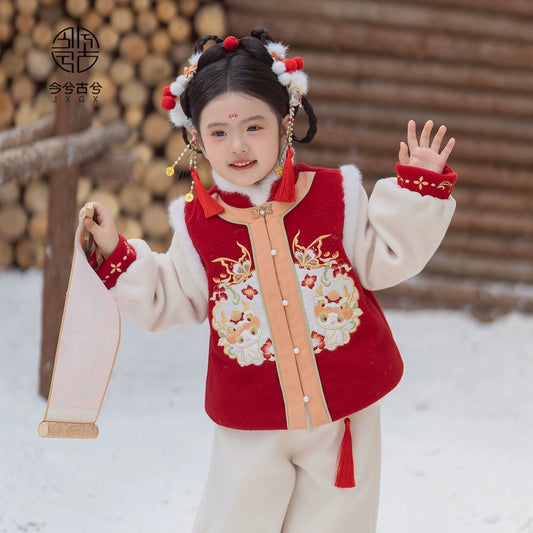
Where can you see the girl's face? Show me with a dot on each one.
(241, 137)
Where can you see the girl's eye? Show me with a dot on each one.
(218, 133)
(254, 128)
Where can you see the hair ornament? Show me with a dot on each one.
(172, 93)
(231, 43)
(277, 50)
(291, 75)
(289, 72)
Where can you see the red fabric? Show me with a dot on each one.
(353, 376)
(426, 182)
(116, 264)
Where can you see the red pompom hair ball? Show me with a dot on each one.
(299, 62)
(168, 102)
(296, 63)
(230, 43)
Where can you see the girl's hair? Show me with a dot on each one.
(246, 69)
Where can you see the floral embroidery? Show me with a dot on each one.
(340, 270)
(115, 268)
(320, 344)
(266, 349)
(249, 292)
(309, 281)
(219, 293)
(129, 249)
(420, 182)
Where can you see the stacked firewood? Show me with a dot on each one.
(143, 46)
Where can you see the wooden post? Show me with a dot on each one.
(70, 117)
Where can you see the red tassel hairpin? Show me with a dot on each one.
(286, 191)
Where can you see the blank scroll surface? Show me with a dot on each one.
(86, 352)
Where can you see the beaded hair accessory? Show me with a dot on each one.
(290, 74)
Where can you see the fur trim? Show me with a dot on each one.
(258, 193)
(176, 211)
(351, 182)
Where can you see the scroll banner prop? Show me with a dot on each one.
(88, 343)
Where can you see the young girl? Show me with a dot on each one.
(281, 258)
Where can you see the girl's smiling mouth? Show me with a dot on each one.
(242, 164)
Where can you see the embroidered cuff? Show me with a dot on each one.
(117, 263)
(425, 181)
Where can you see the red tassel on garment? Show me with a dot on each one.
(210, 206)
(286, 191)
(345, 478)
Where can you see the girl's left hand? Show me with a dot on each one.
(425, 154)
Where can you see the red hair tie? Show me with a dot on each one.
(231, 43)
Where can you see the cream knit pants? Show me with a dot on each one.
(282, 481)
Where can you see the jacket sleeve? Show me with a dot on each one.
(162, 290)
(391, 236)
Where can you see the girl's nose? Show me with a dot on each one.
(238, 145)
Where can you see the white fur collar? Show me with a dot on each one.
(258, 193)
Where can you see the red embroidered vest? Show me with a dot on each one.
(291, 327)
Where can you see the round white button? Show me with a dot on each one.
(285, 303)
(262, 212)
(273, 252)
(296, 350)
(306, 399)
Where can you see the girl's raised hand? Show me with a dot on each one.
(425, 153)
(102, 228)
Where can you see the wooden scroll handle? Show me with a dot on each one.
(68, 430)
(88, 240)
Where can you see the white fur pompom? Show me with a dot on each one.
(178, 117)
(300, 81)
(278, 67)
(285, 78)
(193, 60)
(176, 88)
(279, 49)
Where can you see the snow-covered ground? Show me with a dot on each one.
(457, 432)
